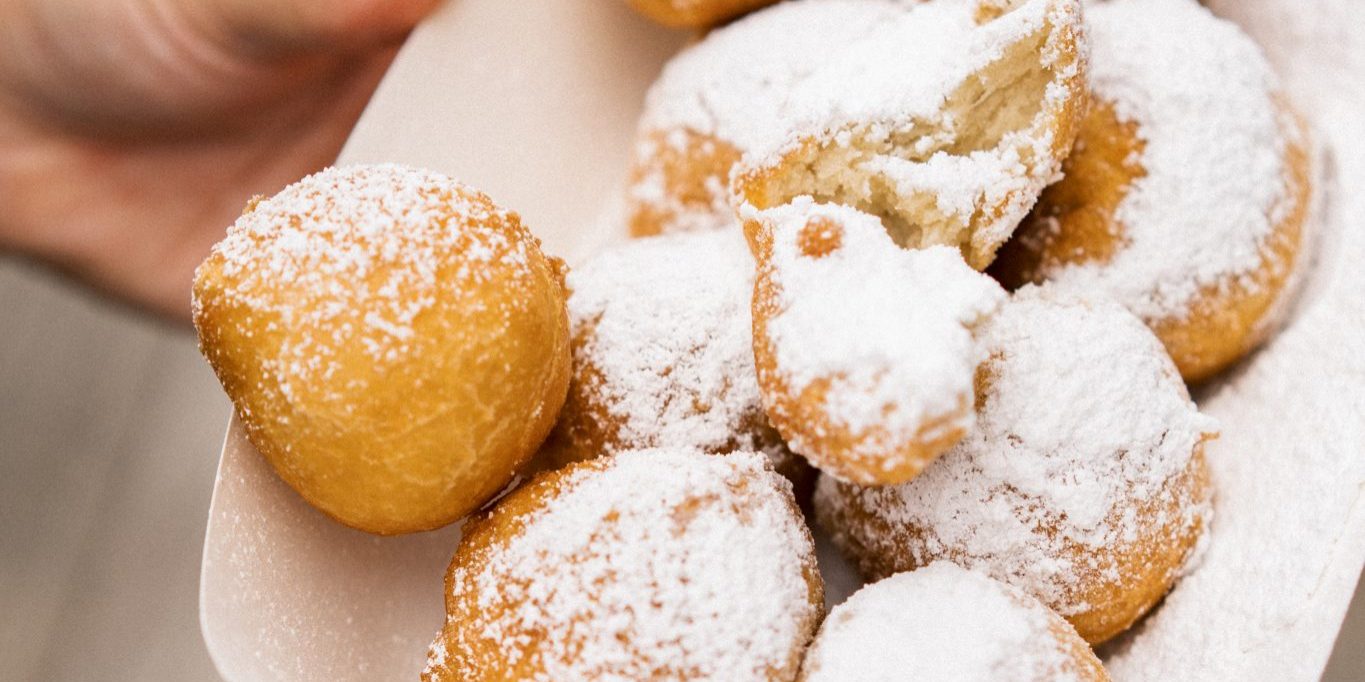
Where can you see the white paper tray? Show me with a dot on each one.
(535, 103)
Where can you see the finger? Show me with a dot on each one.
(308, 25)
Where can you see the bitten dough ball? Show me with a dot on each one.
(1187, 198)
(668, 564)
(865, 351)
(1083, 482)
(943, 623)
(663, 353)
(695, 13)
(943, 118)
(394, 343)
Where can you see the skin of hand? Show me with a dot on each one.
(132, 132)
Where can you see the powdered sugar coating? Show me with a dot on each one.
(1285, 554)
(664, 346)
(1084, 425)
(890, 328)
(805, 68)
(736, 82)
(394, 344)
(724, 89)
(357, 254)
(655, 564)
(659, 156)
(1214, 150)
(942, 623)
(868, 95)
(848, 72)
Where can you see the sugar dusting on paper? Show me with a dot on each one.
(1289, 469)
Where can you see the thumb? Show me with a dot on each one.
(274, 26)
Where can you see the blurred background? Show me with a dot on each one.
(110, 426)
(110, 429)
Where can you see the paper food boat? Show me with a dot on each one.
(536, 102)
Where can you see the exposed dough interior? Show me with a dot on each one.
(881, 169)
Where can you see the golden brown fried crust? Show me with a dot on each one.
(1224, 324)
(1149, 567)
(425, 439)
(585, 431)
(693, 172)
(1077, 661)
(1144, 569)
(696, 13)
(483, 535)
(586, 428)
(1103, 165)
(1074, 224)
(802, 417)
(488, 533)
(772, 184)
(1081, 663)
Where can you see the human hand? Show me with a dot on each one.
(132, 132)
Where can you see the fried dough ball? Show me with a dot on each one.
(944, 118)
(662, 342)
(943, 623)
(1188, 193)
(865, 351)
(668, 564)
(395, 344)
(695, 13)
(1083, 482)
